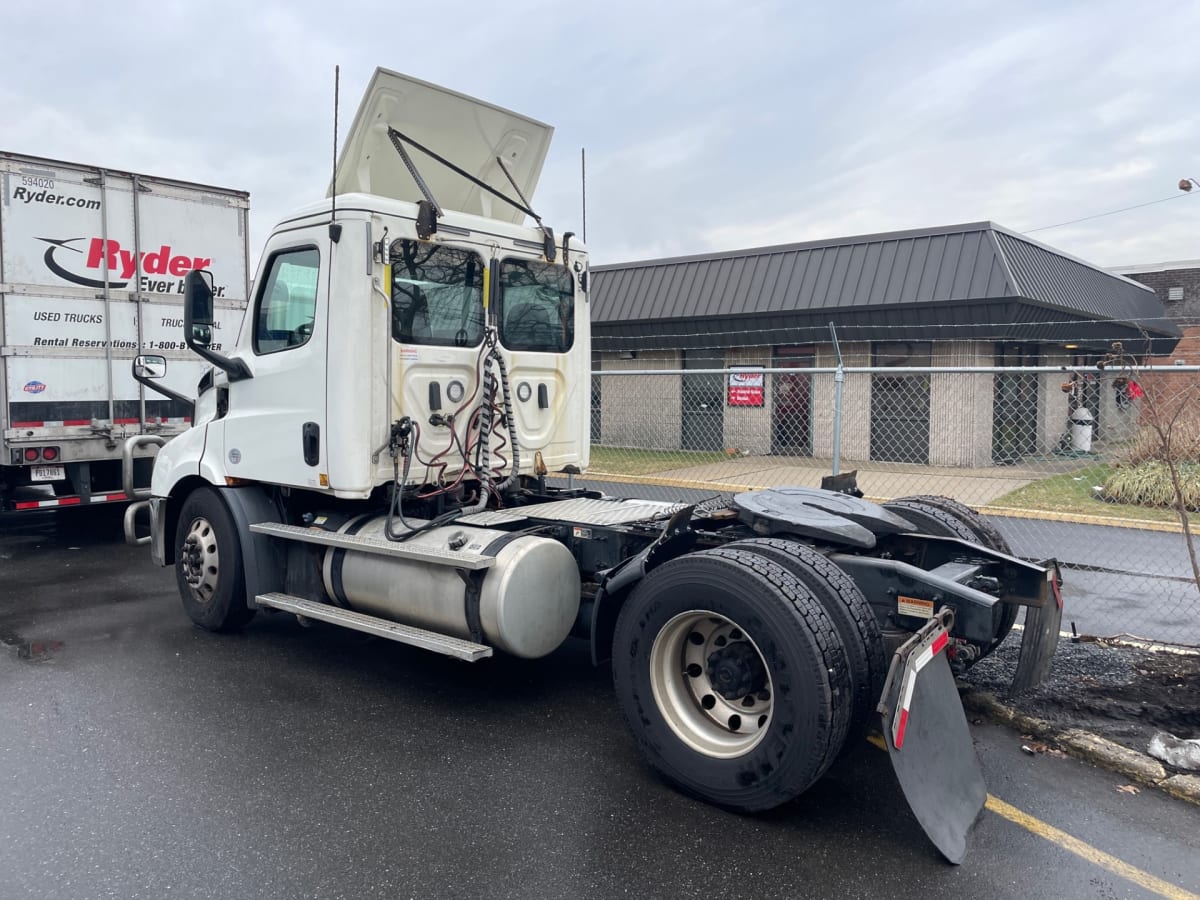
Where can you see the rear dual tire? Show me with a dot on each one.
(851, 615)
(732, 678)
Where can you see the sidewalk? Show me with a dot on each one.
(976, 487)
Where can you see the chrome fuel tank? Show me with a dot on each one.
(528, 599)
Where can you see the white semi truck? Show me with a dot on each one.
(379, 450)
(92, 263)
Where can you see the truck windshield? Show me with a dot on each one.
(537, 306)
(437, 295)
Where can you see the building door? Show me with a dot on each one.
(900, 403)
(1014, 405)
(703, 402)
(791, 419)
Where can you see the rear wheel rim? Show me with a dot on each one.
(199, 560)
(711, 684)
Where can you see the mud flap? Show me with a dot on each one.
(1040, 640)
(928, 741)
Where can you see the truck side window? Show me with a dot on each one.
(537, 306)
(437, 295)
(287, 302)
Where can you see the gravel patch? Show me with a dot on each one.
(1125, 694)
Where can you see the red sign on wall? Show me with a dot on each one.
(746, 387)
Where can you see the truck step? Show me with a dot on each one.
(432, 555)
(384, 628)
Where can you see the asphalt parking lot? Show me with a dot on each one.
(141, 757)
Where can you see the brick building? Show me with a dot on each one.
(1177, 285)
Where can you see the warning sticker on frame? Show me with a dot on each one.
(912, 606)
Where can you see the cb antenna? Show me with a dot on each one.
(583, 186)
(335, 230)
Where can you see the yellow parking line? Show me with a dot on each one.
(1087, 851)
(1074, 845)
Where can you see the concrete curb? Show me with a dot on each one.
(1046, 515)
(1089, 747)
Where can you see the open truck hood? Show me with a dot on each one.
(468, 132)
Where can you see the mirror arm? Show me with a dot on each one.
(237, 369)
(165, 391)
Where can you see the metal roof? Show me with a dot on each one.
(982, 280)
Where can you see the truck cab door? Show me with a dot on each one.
(274, 430)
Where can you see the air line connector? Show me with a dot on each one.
(398, 439)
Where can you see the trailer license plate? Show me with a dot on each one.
(48, 473)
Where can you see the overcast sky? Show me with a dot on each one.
(708, 126)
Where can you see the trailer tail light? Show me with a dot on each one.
(35, 454)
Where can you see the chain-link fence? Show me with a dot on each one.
(1089, 465)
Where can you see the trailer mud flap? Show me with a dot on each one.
(1040, 640)
(928, 741)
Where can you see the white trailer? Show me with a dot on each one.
(92, 263)
(375, 452)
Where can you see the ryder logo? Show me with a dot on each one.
(122, 264)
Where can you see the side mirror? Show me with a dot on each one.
(198, 307)
(149, 367)
(197, 325)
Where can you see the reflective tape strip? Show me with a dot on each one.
(68, 501)
(910, 684)
(40, 504)
(76, 423)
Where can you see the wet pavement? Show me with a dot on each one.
(141, 757)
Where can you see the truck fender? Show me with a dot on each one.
(676, 539)
(609, 600)
(263, 558)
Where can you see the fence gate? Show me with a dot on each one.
(703, 402)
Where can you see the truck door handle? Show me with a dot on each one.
(543, 397)
(312, 443)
